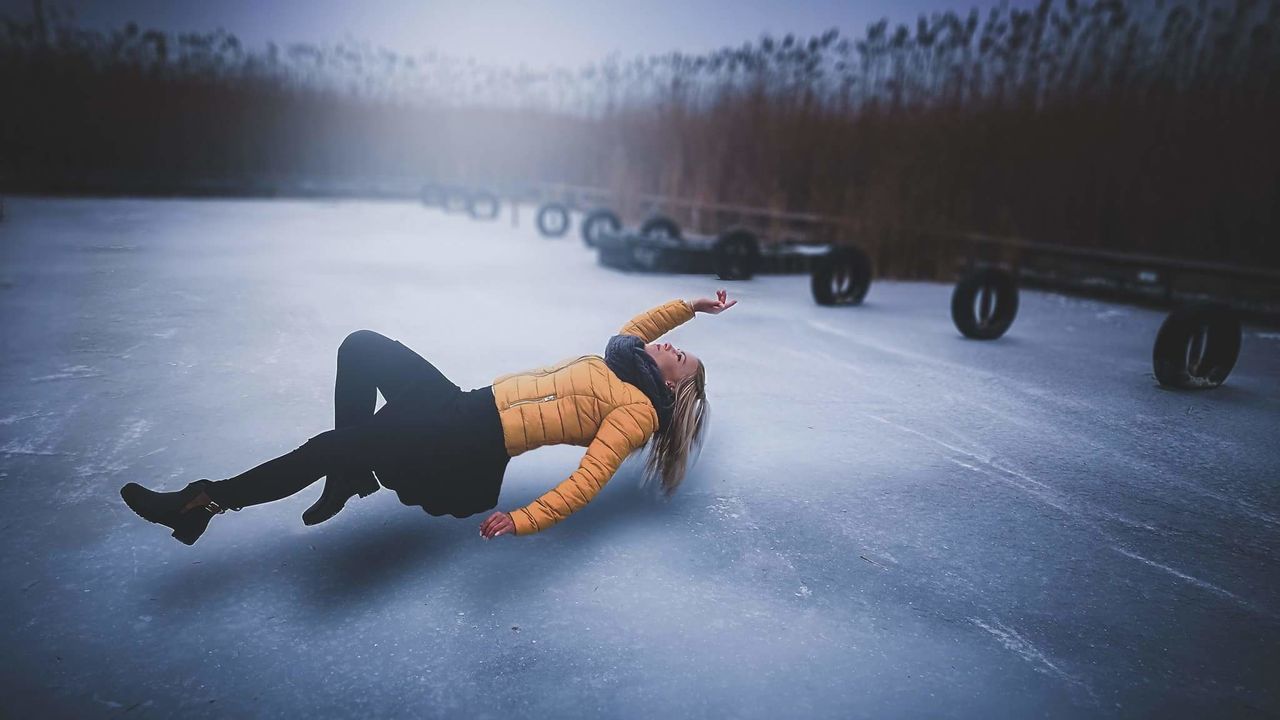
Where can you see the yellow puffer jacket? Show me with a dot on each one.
(580, 402)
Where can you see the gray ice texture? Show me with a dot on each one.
(887, 520)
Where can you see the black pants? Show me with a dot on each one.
(426, 418)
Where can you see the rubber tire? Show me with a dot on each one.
(431, 195)
(483, 205)
(736, 255)
(455, 200)
(1220, 348)
(661, 226)
(594, 219)
(548, 211)
(854, 261)
(1006, 303)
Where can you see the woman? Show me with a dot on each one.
(446, 450)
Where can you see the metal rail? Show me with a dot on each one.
(1127, 259)
(601, 194)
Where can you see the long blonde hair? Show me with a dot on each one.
(668, 457)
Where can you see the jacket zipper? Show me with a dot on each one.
(555, 369)
(549, 371)
(552, 396)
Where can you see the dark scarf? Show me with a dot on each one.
(626, 357)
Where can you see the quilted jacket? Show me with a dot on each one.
(580, 401)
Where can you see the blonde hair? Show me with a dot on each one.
(668, 457)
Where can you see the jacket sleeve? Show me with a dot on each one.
(624, 430)
(655, 323)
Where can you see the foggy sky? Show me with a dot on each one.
(507, 32)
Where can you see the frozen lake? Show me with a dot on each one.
(888, 520)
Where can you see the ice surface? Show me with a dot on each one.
(888, 520)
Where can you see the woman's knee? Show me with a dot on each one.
(361, 338)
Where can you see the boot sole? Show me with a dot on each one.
(310, 520)
(364, 490)
(309, 515)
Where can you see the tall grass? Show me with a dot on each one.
(1141, 126)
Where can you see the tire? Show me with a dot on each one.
(431, 195)
(1197, 346)
(841, 277)
(985, 303)
(553, 220)
(597, 222)
(483, 205)
(736, 255)
(455, 200)
(659, 227)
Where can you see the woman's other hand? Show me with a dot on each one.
(499, 523)
(713, 307)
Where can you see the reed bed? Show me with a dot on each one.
(1140, 126)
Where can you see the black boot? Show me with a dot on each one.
(168, 508)
(337, 491)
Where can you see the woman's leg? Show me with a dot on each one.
(367, 362)
(345, 450)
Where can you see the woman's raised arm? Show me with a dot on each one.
(713, 307)
(653, 324)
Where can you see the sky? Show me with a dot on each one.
(507, 32)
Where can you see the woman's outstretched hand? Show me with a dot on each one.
(499, 523)
(713, 307)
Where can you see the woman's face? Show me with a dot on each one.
(675, 364)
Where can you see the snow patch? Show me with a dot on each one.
(1183, 576)
(11, 419)
(74, 372)
(727, 507)
(1014, 641)
(105, 461)
(26, 447)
